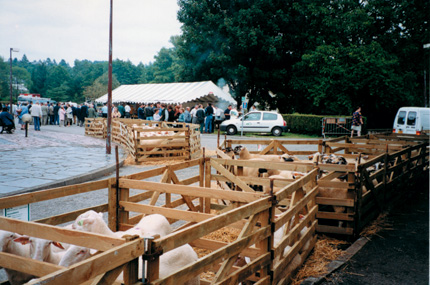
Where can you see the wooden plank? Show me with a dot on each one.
(334, 230)
(71, 216)
(49, 194)
(255, 265)
(27, 265)
(168, 213)
(203, 228)
(193, 191)
(147, 174)
(292, 166)
(207, 262)
(292, 234)
(187, 199)
(214, 245)
(96, 265)
(299, 183)
(286, 216)
(335, 216)
(335, 202)
(91, 240)
(233, 178)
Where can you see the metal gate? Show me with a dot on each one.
(336, 126)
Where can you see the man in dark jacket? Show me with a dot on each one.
(6, 121)
(149, 112)
(209, 112)
(84, 114)
(56, 115)
(141, 112)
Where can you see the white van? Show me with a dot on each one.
(412, 120)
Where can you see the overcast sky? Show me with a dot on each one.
(79, 29)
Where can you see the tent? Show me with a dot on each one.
(188, 94)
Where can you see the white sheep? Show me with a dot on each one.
(150, 225)
(244, 154)
(40, 249)
(177, 258)
(7, 245)
(74, 254)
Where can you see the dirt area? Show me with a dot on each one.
(399, 254)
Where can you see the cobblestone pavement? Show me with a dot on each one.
(50, 155)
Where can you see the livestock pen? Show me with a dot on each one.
(276, 229)
(150, 140)
(376, 169)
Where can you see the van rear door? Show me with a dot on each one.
(411, 122)
(400, 123)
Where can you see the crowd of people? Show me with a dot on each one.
(207, 117)
(67, 114)
(61, 114)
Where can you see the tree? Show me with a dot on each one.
(100, 87)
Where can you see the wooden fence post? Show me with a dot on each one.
(113, 198)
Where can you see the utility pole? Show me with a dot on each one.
(109, 105)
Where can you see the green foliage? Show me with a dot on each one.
(310, 124)
(303, 124)
(100, 87)
(321, 57)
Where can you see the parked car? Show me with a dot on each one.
(256, 122)
(412, 120)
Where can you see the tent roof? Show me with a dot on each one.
(170, 93)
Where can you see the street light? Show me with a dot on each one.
(10, 81)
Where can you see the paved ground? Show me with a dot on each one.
(50, 156)
(400, 253)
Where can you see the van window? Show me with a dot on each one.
(269, 117)
(401, 118)
(412, 116)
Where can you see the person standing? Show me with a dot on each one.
(24, 110)
(44, 108)
(200, 114)
(69, 116)
(149, 112)
(75, 114)
(227, 112)
(171, 117)
(121, 110)
(209, 112)
(127, 110)
(193, 114)
(61, 116)
(187, 115)
(51, 114)
(357, 122)
(92, 112)
(104, 111)
(8, 121)
(56, 114)
(141, 112)
(84, 113)
(36, 113)
(164, 114)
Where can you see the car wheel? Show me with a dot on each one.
(276, 131)
(231, 130)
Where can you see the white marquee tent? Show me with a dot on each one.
(189, 93)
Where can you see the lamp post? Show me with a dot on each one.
(10, 81)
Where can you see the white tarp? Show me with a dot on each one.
(170, 93)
